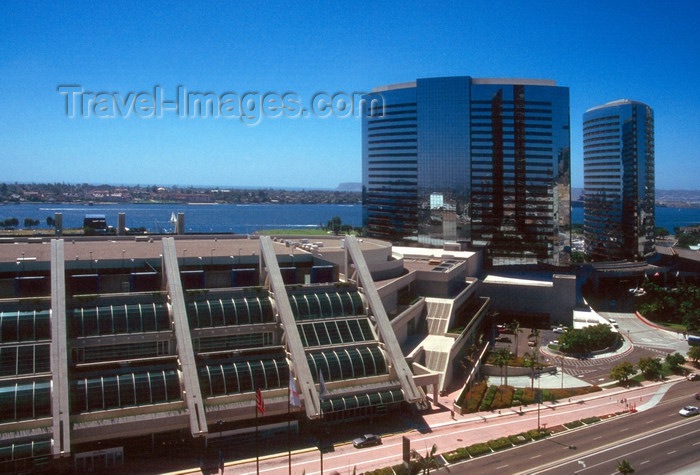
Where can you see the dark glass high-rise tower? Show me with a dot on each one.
(618, 173)
(484, 161)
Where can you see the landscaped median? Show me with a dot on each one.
(483, 397)
(494, 445)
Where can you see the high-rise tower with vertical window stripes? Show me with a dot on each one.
(618, 173)
(485, 161)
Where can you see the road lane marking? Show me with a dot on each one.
(614, 445)
(502, 466)
(696, 443)
(671, 452)
(623, 430)
(536, 456)
(599, 437)
(642, 463)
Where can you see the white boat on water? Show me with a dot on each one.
(173, 218)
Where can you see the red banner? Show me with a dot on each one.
(259, 402)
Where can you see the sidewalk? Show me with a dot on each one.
(481, 426)
(452, 431)
(439, 418)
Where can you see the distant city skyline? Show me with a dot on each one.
(601, 51)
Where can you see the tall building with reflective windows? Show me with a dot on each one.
(618, 161)
(481, 161)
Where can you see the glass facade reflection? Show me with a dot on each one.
(618, 173)
(484, 161)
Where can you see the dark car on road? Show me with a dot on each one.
(367, 440)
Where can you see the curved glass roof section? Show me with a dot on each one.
(347, 363)
(18, 326)
(122, 389)
(240, 376)
(116, 319)
(232, 311)
(326, 305)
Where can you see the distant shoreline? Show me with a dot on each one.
(574, 203)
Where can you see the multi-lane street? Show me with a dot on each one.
(655, 441)
(635, 436)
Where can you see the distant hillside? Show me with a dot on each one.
(350, 186)
(670, 198)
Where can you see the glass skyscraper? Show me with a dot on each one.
(484, 161)
(618, 173)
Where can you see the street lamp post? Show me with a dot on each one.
(219, 425)
(539, 399)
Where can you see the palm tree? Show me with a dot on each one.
(502, 359)
(531, 362)
(515, 328)
(624, 466)
(424, 463)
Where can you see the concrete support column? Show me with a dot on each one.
(58, 224)
(185, 351)
(385, 330)
(180, 224)
(268, 259)
(60, 407)
(121, 224)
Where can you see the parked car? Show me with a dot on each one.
(689, 411)
(503, 339)
(693, 377)
(367, 440)
(558, 330)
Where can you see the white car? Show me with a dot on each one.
(689, 411)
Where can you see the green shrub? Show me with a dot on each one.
(478, 449)
(590, 420)
(503, 397)
(488, 398)
(400, 470)
(528, 396)
(457, 455)
(385, 471)
(521, 438)
(500, 443)
(573, 424)
(538, 434)
(470, 401)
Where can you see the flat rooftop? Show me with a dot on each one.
(427, 253)
(499, 279)
(147, 247)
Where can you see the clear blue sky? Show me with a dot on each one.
(603, 51)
